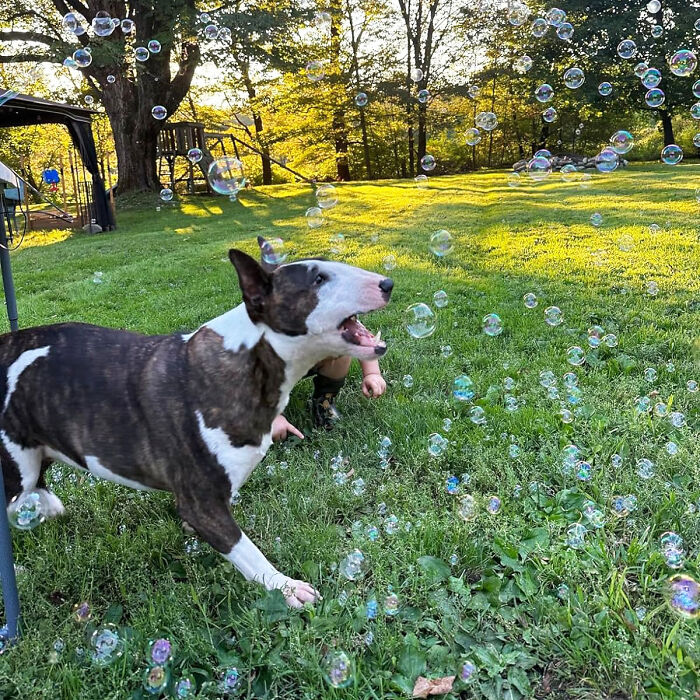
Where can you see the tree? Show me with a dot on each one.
(134, 87)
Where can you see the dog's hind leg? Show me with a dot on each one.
(213, 521)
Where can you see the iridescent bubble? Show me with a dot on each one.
(584, 471)
(421, 181)
(575, 536)
(539, 27)
(161, 651)
(154, 46)
(672, 448)
(71, 21)
(441, 243)
(226, 176)
(27, 510)
(696, 88)
(692, 386)
(523, 64)
(407, 381)
(361, 99)
(194, 155)
(595, 336)
(555, 17)
(82, 58)
(605, 89)
(566, 416)
(326, 196)
(141, 54)
(159, 112)
(391, 605)
(452, 485)
(467, 508)
(467, 672)
(127, 26)
(389, 262)
(574, 78)
(446, 351)
(655, 97)
(683, 63)
(493, 505)
(607, 161)
(416, 75)
(565, 31)
(437, 444)
(657, 31)
(530, 300)
(553, 316)
(684, 596)
(576, 356)
(273, 251)
(550, 115)
(440, 299)
(539, 168)
(569, 173)
(211, 32)
(653, 6)
(622, 142)
(650, 375)
(651, 78)
(463, 388)
(423, 96)
(513, 179)
(185, 688)
(695, 111)
(472, 136)
(627, 49)
(315, 71)
(477, 415)
(672, 155)
(543, 153)
(354, 566)
(230, 680)
(82, 612)
(107, 646)
(544, 93)
(102, 24)
(111, 79)
(338, 669)
(677, 419)
(645, 468)
(513, 451)
(570, 380)
(420, 320)
(428, 162)
(610, 340)
(487, 121)
(473, 91)
(492, 325)
(596, 220)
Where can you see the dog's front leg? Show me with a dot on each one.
(213, 521)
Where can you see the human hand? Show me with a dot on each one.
(281, 428)
(373, 385)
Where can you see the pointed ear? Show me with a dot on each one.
(255, 282)
(268, 267)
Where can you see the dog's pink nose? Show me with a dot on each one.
(386, 285)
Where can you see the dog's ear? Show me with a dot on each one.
(255, 282)
(269, 267)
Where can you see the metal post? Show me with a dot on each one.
(7, 567)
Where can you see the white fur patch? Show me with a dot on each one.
(238, 462)
(253, 564)
(28, 460)
(236, 328)
(54, 506)
(98, 469)
(18, 366)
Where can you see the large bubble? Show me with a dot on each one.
(420, 320)
(226, 175)
(683, 63)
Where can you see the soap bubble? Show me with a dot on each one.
(645, 468)
(226, 175)
(102, 24)
(555, 17)
(610, 340)
(473, 91)
(161, 651)
(622, 142)
(416, 75)
(539, 168)
(523, 64)
(653, 6)
(672, 155)
(677, 419)
(420, 320)
(337, 241)
(595, 336)
(28, 510)
(492, 325)
(315, 71)
(655, 97)
(463, 388)
(82, 58)
(513, 179)
(211, 32)
(194, 155)
(695, 111)
(166, 194)
(472, 137)
(82, 612)
(127, 26)
(672, 448)
(273, 251)
(353, 566)
(570, 380)
(440, 299)
(389, 262)
(155, 679)
(361, 99)
(549, 115)
(575, 536)
(544, 93)
(583, 471)
(684, 596)
(338, 669)
(230, 680)
(407, 381)
(574, 78)
(605, 89)
(543, 153)
(539, 27)
(651, 78)
(650, 374)
(467, 671)
(446, 351)
(513, 451)
(565, 31)
(421, 181)
(683, 63)
(477, 415)
(547, 378)
(437, 444)
(696, 88)
(107, 645)
(326, 196)
(692, 386)
(154, 46)
(487, 121)
(530, 300)
(607, 161)
(553, 316)
(391, 605)
(467, 508)
(159, 112)
(441, 243)
(652, 288)
(566, 416)
(185, 688)
(111, 79)
(428, 162)
(493, 505)
(575, 356)
(71, 21)
(141, 54)
(423, 96)
(627, 49)
(596, 219)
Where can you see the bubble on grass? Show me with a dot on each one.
(530, 300)
(441, 243)
(605, 89)
(584, 471)
(565, 31)
(160, 651)
(683, 63)
(660, 410)
(437, 445)
(692, 386)
(389, 262)
(326, 196)
(354, 566)
(440, 299)
(610, 340)
(423, 96)
(650, 375)
(652, 288)
(492, 325)
(677, 419)
(576, 536)
(509, 383)
(493, 505)
(337, 243)
(566, 416)
(420, 321)
(407, 381)
(645, 468)
(185, 688)
(672, 155)
(391, 605)
(655, 97)
(574, 78)
(463, 388)
(513, 179)
(539, 168)
(544, 93)
(672, 448)
(684, 596)
(372, 533)
(523, 64)
(553, 316)
(627, 49)
(513, 451)
(539, 27)
(428, 162)
(452, 485)
(446, 351)
(472, 136)
(477, 415)
(230, 680)
(467, 508)
(166, 194)
(575, 355)
(421, 181)
(28, 510)
(547, 378)
(107, 646)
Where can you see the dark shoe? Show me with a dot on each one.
(323, 411)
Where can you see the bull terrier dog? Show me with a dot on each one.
(190, 414)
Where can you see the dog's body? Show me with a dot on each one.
(188, 414)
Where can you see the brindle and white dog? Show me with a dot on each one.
(190, 414)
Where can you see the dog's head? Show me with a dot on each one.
(314, 298)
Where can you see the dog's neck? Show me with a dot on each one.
(299, 353)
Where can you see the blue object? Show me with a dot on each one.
(51, 176)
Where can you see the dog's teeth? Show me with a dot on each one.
(378, 337)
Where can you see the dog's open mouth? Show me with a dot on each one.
(354, 332)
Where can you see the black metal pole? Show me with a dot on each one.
(7, 566)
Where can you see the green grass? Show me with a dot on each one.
(124, 552)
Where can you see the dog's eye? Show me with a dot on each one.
(320, 279)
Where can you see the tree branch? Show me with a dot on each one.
(181, 82)
(27, 36)
(29, 58)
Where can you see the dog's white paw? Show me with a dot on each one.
(53, 505)
(297, 593)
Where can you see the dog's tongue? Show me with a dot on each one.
(355, 332)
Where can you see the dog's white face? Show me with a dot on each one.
(315, 298)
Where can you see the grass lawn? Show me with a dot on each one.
(498, 602)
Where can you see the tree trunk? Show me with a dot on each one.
(422, 133)
(265, 158)
(667, 124)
